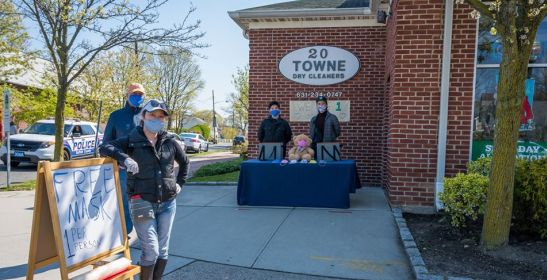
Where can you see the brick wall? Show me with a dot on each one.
(413, 64)
(394, 97)
(361, 137)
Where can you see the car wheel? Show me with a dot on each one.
(66, 155)
(206, 148)
(14, 163)
(199, 149)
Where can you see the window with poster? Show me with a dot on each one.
(533, 122)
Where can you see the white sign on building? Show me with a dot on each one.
(303, 111)
(319, 65)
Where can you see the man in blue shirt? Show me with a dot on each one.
(120, 123)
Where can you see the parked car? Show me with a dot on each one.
(195, 142)
(37, 142)
(179, 141)
(238, 140)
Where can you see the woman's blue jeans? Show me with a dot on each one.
(154, 233)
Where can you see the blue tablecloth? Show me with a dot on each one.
(264, 183)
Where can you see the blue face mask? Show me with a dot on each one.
(275, 112)
(136, 100)
(154, 126)
(322, 108)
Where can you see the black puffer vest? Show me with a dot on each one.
(155, 181)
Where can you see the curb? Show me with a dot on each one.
(419, 268)
(211, 184)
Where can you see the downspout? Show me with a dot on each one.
(443, 114)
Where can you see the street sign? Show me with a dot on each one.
(6, 115)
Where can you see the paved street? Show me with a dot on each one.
(26, 172)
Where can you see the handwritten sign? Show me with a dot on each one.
(303, 111)
(88, 211)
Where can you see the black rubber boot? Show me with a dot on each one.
(147, 272)
(159, 268)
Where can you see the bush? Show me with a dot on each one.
(464, 198)
(242, 150)
(218, 168)
(480, 166)
(529, 197)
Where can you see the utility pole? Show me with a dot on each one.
(214, 120)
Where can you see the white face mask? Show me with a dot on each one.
(322, 108)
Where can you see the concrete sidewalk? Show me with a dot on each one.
(214, 238)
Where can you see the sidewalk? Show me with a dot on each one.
(214, 238)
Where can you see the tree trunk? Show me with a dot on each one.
(512, 77)
(60, 121)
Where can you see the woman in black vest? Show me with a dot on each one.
(149, 153)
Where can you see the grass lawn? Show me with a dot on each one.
(226, 177)
(25, 186)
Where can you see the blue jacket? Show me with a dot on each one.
(120, 123)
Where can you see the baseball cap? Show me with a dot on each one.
(153, 105)
(321, 98)
(135, 87)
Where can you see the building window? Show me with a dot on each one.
(533, 123)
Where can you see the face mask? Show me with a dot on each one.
(153, 126)
(136, 100)
(322, 108)
(275, 112)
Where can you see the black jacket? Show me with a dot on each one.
(275, 130)
(155, 181)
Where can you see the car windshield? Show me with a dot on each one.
(46, 129)
(188, 135)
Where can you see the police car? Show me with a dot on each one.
(37, 142)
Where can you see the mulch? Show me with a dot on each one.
(451, 252)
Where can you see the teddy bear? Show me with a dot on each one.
(301, 149)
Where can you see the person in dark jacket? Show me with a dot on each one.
(149, 153)
(274, 129)
(324, 127)
(120, 123)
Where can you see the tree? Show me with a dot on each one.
(228, 132)
(37, 105)
(516, 22)
(207, 116)
(13, 39)
(95, 85)
(177, 78)
(240, 99)
(66, 26)
(202, 129)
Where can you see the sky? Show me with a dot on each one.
(228, 48)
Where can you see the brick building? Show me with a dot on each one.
(417, 108)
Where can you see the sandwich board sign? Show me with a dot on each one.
(78, 217)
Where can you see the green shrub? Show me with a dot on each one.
(480, 166)
(218, 168)
(530, 198)
(242, 150)
(464, 198)
(530, 194)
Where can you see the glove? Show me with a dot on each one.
(179, 188)
(131, 165)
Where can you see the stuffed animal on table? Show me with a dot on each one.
(301, 150)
